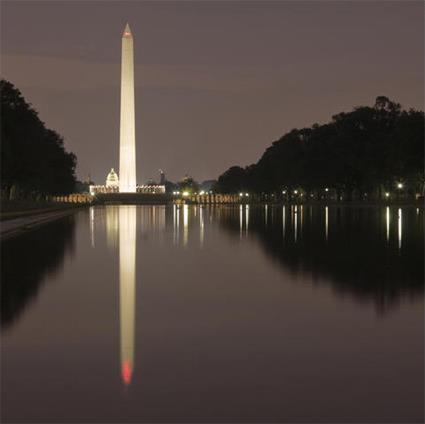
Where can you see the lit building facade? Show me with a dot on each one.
(112, 179)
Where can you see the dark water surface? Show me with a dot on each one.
(217, 314)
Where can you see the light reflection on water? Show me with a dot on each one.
(127, 282)
(301, 218)
(387, 220)
(201, 226)
(209, 301)
(240, 221)
(185, 224)
(92, 226)
(176, 224)
(326, 221)
(181, 230)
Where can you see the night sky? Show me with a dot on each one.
(216, 82)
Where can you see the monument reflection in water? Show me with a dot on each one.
(121, 225)
(121, 230)
(127, 249)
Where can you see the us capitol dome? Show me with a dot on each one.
(112, 179)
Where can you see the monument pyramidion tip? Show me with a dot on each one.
(127, 31)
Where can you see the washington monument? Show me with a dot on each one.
(127, 174)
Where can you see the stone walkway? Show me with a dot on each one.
(13, 227)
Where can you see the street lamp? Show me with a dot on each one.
(400, 185)
(387, 194)
(295, 191)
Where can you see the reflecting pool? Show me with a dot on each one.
(229, 314)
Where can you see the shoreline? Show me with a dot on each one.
(29, 220)
(33, 208)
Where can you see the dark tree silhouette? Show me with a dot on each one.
(368, 150)
(34, 161)
(234, 179)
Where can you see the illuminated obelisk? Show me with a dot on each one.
(127, 177)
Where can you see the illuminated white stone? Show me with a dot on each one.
(112, 179)
(127, 182)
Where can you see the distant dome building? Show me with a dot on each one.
(112, 179)
(112, 186)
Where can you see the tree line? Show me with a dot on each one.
(34, 162)
(373, 151)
